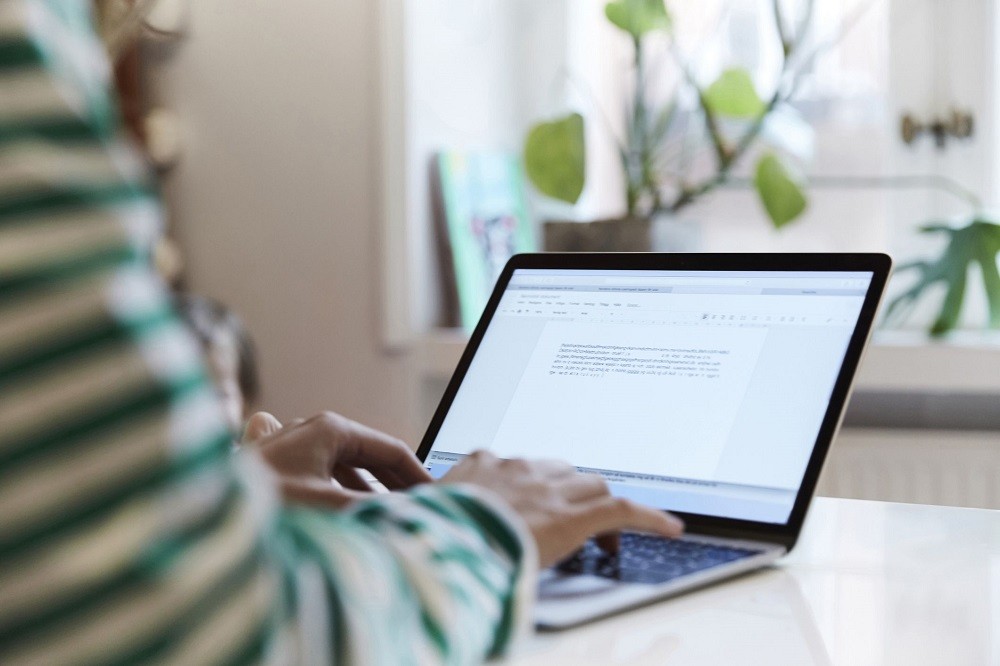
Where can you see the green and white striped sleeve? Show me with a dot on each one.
(129, 531)
(435, 575)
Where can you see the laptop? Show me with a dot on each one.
(708, 385)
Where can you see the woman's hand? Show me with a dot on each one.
(561, 506)
(317, 459)
(317, 462)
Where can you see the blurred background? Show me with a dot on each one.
(348, 175)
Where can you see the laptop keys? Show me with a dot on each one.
(650, 559)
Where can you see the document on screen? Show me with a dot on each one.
(658, 400)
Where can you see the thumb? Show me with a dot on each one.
(260, 425)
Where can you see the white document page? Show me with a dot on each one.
(657, 400)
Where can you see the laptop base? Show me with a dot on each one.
(567, 600)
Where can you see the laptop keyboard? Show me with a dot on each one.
(651, 559)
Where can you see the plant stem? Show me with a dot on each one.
(779, 23)
(641, 179)
(726, 157)
(789, 79)
(805, 22)
(637, 136)
(859, 12)
(711, 121)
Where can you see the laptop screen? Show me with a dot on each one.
(694, 391)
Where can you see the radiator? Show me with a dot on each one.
(949, 467)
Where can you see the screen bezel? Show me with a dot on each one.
(878, 264)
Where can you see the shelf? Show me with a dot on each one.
(911, 360)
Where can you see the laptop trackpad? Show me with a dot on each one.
(555, 585)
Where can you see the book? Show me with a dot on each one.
(483, 222)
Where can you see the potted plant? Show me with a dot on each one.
(733, 116)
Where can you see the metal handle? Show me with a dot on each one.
(958, 125)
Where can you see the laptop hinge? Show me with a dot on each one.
(743, 534)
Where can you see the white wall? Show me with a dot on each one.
(276, 201)
(476, 73)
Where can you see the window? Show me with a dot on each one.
(476, 73)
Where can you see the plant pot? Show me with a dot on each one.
(627, 234)
(663, 232)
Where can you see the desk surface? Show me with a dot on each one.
(868, 583)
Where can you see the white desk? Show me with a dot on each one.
(868, 583)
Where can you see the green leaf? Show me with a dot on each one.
(662, 124)
(991, 281)
(555, 157)
(977, 242)
(952, 305)
(637, 17)
(782, 197)
(733, 95)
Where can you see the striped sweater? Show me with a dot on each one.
(129, 531)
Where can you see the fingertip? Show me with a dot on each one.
(661, 522)
(676, 525)
(259, 425)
